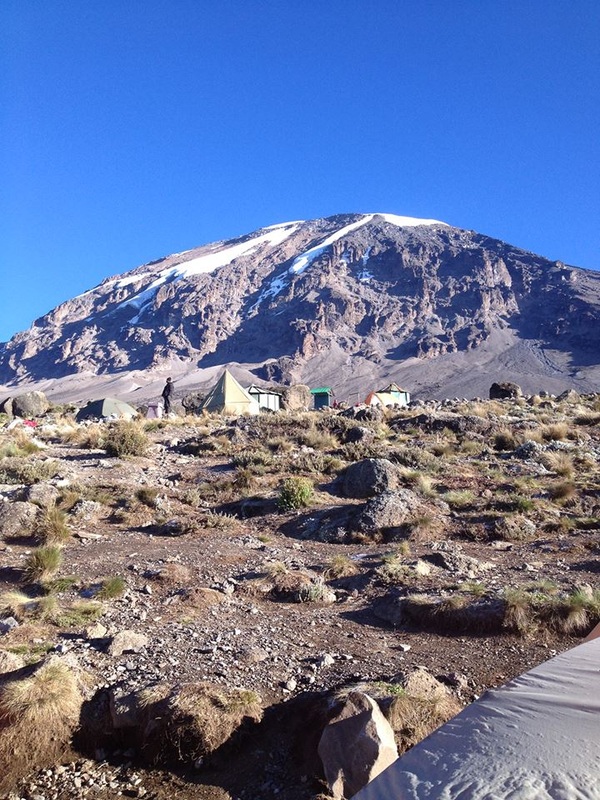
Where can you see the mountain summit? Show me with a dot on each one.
(350, 301)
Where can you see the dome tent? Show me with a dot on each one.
(106, 408)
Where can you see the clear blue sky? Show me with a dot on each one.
(132, 129)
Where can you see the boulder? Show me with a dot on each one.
(296, 398)
(369, 477)
(43, 494)
(17, 518)
(30, 404)
(387, 510)
(505, 391)
(356, 745)
(364, 413)
(127, 642)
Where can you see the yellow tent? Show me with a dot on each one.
(228, 397)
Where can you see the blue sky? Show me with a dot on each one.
(132, 130)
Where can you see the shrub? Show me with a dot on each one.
(21, 470)
(126, 439)
(504, 440)
(295, 493)
(43, 562)
(147, 495)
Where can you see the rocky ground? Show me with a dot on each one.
(285, 558)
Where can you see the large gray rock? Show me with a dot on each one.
(17, 518)
(127, 642)
(30, 404)
(387, 510)
(369, 477)
(296, 398)
(505, 391)
(43, 494)
(356, 745)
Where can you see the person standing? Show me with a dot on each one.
(166, 395)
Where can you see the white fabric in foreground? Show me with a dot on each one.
(536, 738)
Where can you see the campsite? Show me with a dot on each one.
(277, 563)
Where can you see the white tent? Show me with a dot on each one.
(536, 738)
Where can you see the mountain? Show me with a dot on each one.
(351, 301)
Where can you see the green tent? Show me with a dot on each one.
(106, 408)
(228, 397)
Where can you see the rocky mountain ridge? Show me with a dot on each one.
(350, 301)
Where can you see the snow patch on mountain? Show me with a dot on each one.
(203, 264)
(303, 261)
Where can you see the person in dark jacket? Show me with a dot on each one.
(166, 395)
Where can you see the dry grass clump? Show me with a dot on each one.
(340, 566)
(126, 438)
(23, 607)
(147, 496)
(18, 444)
(587, 417)
(111, 587)
(189, 722)
(43, 562)
(51, 527)
(554, 432)
(559, 463)
(562, 492)
(414, 718)
(458, 498)
(89, 437)
(38, 715)
(220, 520)
(574, 613)
(453, 614)
(505, 439)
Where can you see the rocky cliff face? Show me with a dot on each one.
(353, 294)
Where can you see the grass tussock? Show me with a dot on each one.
(414, 718)
(43, 562)
(52, 526)
(38, 715)
(189, 722)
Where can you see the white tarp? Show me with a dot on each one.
(536, 738)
